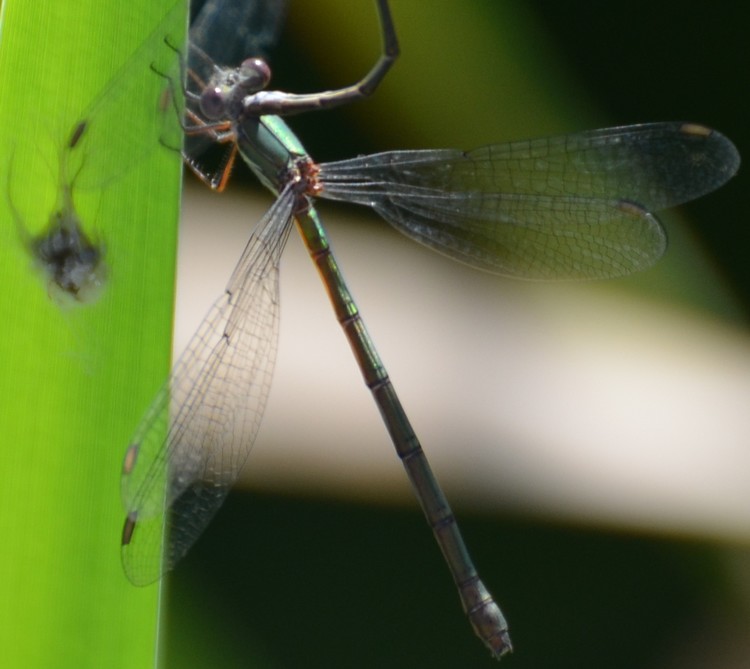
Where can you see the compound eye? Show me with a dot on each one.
(254, 74)
(212, 102)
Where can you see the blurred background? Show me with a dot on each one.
(592, 438)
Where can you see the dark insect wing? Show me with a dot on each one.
(576, 206)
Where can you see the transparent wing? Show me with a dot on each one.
(575, 206)
(99, 147)
(196, 436)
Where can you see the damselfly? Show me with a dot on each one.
(578, 206)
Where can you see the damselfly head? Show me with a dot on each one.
(228, 87)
